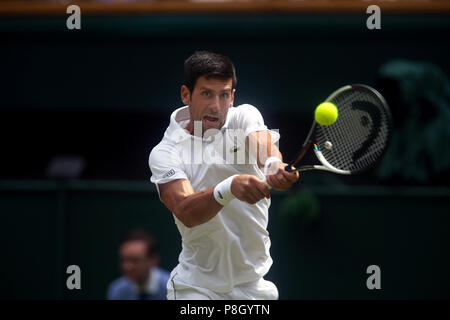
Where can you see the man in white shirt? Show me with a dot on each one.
(208, 171)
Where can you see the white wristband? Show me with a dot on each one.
(222, 192)
(268, 168)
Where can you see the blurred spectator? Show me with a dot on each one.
(142, 278)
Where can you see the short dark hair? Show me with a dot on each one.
(208, 64)
(141, 235)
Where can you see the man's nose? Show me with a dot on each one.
(126, 266)
(215, 105)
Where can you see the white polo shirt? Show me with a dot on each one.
(233, 247)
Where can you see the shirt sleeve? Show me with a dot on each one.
(249, 119)
(165, 165)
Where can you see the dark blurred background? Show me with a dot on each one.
(80, 111)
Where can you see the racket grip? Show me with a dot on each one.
(288, 169)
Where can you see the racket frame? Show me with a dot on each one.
(308, 141)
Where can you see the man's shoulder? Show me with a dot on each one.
(244, 111)
(246, 107)
(121, 288)
(245, 117)
(121, 282)
(163, 150)
(164, 145)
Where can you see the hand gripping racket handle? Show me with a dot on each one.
(265, 181)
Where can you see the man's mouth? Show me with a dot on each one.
(211, 119)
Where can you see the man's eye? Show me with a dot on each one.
(225, 95)
(206, 93)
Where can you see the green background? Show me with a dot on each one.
(82, 91)
(48, 226)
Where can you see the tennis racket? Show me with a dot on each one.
(357, 140)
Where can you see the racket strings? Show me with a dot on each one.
(360, 134)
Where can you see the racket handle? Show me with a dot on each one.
(289, 169)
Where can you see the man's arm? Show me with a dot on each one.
(194, 208)
(261, 143)
(191, 208)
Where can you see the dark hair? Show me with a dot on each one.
(142, 235)
(210, 65)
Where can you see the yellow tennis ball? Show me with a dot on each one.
(326, 113)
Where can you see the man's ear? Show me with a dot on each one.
(185, 95)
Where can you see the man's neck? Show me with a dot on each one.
(195, 128)
(190, 127)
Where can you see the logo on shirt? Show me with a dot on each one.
(234, 149)
(220, 195)
(169, 173)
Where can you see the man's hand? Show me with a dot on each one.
(249, 188)
(281, 179)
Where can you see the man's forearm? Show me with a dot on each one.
(198, 208)
(261, 146)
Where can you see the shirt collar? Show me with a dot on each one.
(175, 132)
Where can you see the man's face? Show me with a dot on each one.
(134, 261)
(209, 102)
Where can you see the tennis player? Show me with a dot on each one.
(209, 172)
